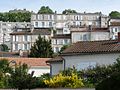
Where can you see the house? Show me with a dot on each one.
(86, 54)
(114, 27)
(38, 65)
(8, 27)
(23, 40)
(63, 21)
(89, 34)
(59, 40)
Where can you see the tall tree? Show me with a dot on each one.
(45, 10)
(41, 48)
(114, 14)
(69, 11)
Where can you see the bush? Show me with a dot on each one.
(41, 83)
(60, 80)
(110, 83)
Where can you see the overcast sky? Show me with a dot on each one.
(105, 6)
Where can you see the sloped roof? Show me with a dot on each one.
(56, 59)
(30, 61)
(34, 32)
(115, 23)
(60, 36)
(93, 47)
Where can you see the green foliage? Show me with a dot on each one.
(114, 14)
(4, 70)
(21, 79)
(15, 17)
(63, 48)
(69, 11)
(41, 83)
(45, 10)
(41, 48)
(4, 47)
(93, 76)
(60, 80)
(110, 83)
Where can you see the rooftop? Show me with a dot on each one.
(30, 61)
(93, 47)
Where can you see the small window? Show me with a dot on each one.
(50, 17)
(25, 46)
(85, 37)
(57, 49)
(25, 37)
(43, 24)
(16, 46)
(65, 41)
(80, 23)
(50, 24)
(36, 24)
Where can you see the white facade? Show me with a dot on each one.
(8, 27)
(114, 27)
(38, 71)
(64, 21)
(89, 36)
(24, 42)
(84, 61)
(57, 44)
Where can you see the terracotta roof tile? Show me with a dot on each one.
(56, 59)
(30, 61)
(89, 47)
(115, 23)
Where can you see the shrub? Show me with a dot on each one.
(41, 83)
(60, 80)
(110, 83)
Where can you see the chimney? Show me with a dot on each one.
(118, 37)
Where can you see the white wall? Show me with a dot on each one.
(39, 70)
(99, 59)
(56, 67)
(76, 61)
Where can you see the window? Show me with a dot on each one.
(77, 18)
(65, 41)
(50, 16)
(36, 24)
(50, 24)
(77, 37)
(25, 46)
(16, 46)
(59, 41)
(43, 24)
(42, 17)
(116, 29)
(80, 23)
(57, 49)
(85, 37)
(25, 37)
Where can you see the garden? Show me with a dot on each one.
(99, 77)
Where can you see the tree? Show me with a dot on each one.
(20, 78)
(69, 11)
(114, 14)
(45, 10)
(4, 70)
(15, 16)
(41, 48)
(4, 47)
(63, 48)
